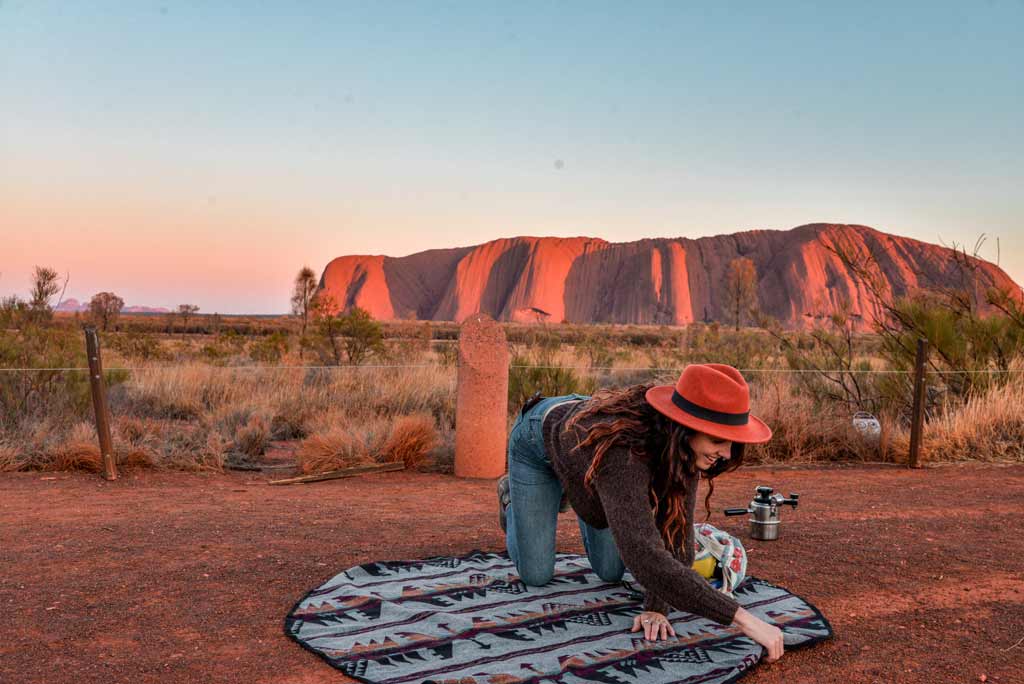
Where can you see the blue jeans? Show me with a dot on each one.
(532, 515)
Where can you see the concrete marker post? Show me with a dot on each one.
(481, 410)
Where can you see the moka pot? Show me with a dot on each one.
(764, 512)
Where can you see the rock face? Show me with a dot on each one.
(671, 281)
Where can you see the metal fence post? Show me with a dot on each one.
(917, 420)
(99, 403)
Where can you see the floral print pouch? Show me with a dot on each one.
(728, 551)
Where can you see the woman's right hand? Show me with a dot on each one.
(760, 631)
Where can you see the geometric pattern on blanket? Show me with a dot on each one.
(470, 620)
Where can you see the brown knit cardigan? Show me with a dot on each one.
(620, 501)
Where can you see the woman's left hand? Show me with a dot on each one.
(654, 625)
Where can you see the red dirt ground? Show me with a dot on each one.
(172, 577)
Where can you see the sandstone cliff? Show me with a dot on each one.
(670, 281)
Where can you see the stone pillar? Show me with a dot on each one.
(481, 410)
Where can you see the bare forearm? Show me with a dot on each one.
(760, 631)
(743, 618)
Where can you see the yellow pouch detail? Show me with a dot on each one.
(705, 567)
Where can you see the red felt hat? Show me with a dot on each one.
(712, 398)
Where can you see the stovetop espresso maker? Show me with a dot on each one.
(764, 512)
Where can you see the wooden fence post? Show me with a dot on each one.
(917, 420)
(481, 410)
(99, 403)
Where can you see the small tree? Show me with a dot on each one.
(13, 312)
(186, 311)
(105, 307)
(302, 295)
(597, 349)
(829, 364)
(362, 335)
(353, 335)
(741, 290)
(269, 348)
(44, 287)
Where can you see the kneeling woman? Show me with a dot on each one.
(629, 461)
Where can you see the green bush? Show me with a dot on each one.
(529, 374)
(136, 345)
(351, 336)
(37, 393)
(223, 346)
(270, 348)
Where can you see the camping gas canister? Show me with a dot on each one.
(764, 512)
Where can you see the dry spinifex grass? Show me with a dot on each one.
(407, 439)
(10, 459)
(332, 450)
(411, 439)
(803, 431)
(989, 427)
(80, 451)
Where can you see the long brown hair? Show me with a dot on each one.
(658, 440)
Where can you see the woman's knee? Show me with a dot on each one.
(536, 577)
(611, 570)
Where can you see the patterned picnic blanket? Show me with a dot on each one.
(470, 620)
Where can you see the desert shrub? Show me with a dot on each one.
(597, 350)
(738, 348)
(10, 458)
(33, 394)
(988, 426)
(193, 448)
(410, 441)
(251, 439)
(442, 458)
(135, 442)
(229, 419)
(801, 431)
(831, 366)
(405, 352)
(351, 336)
(662, 356)
(447, 354)
(290, 420)
(13, 312)
(269, 348)
(245, 430)
(136, 345)
(961, 343)
(970, 325)
(529, 374)
(223, 346)
(153, 402)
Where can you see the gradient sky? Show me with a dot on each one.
(204, 151)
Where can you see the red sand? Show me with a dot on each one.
(171, 577)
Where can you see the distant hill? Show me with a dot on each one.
(652, 281)
(73, 304)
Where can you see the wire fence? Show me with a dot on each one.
(848, 371)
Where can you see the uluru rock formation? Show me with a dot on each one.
(671, 281)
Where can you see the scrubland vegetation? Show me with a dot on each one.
(193, 391)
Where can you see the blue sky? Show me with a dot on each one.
(203, 152)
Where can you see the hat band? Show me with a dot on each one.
(719, 417)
